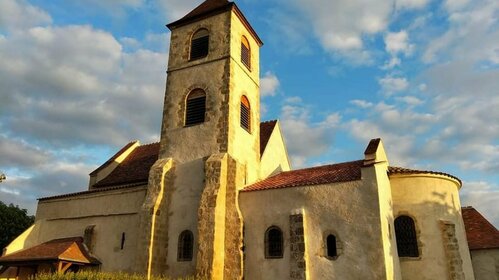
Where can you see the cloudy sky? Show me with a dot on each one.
(81, 78)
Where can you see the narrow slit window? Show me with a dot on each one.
(245, 114)
(245, 52)
(185, 246)
(122, 246)
(273, 243)
(405, 233)
(195, 107)
(200, 44)
(332, 251)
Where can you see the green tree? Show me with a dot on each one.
(13, 221)
(2, 177)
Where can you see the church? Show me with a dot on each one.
(216, 198)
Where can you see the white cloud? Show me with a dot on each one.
(398, 42)
(390, 85)
(361, 103)
(411, 4)
(341, 25)
(17, 14)
(269, 84)
(305, 138)
(176, 9)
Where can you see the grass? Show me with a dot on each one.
(93, 275)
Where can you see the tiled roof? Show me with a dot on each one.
(112, 188)
(207, 7)
(481, 234)
(109, 161)
(334, 173)
(266, 129)
(392, 170)
(135, 168)
(66, 249)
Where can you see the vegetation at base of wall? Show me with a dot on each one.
(13, 222)
(93, 275)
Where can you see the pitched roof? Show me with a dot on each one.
(334, 173)
(65, 249)
(110, 160)
(103, 189)
(481, 234)
(135, 168)
(266, 129)
(205, 8)
(392, 170)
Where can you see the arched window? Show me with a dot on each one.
(195, 107)
(185, 246)
(273, 243)
(245, 113)
(245, 52)
(200, 43)
(332, 251)
(405, 232)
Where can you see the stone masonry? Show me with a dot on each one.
(451, 247)
(297, 265)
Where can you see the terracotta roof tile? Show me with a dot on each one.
(69, 249)
(334, 173)
(401, 170)
(481, 234)
(266, 129)
(135, 168)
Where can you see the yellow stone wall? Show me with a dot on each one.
(112, 213)
(430, 199)
(349, 210)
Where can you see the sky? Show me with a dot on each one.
(81, 78)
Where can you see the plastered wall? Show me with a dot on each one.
(348, 210)
(112, 213)
(274, 158)
(485, 264)
(430, 199)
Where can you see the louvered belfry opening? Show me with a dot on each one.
(195, 107)
(200, 43)
(245, 52)
(245, 113)
(405, 232)
(185, 246)
(273, 243)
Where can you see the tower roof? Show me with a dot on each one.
(210, 8)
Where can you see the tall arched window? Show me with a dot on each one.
(195, 107)
(200, 43)
(273, 243)
(185, 246)
(332, 251)
(405, 232)
(245, 113)
(245, 52)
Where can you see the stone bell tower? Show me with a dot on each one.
(210, 146)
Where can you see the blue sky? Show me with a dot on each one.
(81, 78)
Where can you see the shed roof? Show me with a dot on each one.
(481, 234)
(65, 249)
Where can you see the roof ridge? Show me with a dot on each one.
(269, 121)
(150, 144)
(326, 165)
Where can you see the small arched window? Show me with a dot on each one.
(245, 113)
(245, 52)
(200, 43)
(332, 251)
(195, 107)
(405, 233)
(273, 243)
(185, 246)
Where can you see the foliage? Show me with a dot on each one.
(13, 222)
(93, 275)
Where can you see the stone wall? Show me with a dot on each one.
(297, 265)
(451, 248)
